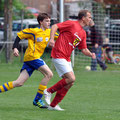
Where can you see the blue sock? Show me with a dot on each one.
(38, 96)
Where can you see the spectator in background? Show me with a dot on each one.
(97, 42)
(107, 48)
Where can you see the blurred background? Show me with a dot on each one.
(16, 15)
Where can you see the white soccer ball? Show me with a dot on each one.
(88, 68)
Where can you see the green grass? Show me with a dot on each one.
(94, 96)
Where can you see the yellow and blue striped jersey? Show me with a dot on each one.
(37, 42)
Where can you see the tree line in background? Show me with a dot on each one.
(17, 8)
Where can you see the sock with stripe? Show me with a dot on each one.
(40, 92)
(6, 86)
(60, 84)
(59, 96)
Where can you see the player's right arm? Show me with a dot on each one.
(54, 29)
(15, 47)
(26, 33)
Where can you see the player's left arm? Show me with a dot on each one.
(84, 49)
(88, 53)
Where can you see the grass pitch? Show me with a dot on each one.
(94, 96)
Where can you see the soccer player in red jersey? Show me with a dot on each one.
(71, 35)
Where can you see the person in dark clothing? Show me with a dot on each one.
(97, 42)
(108, 50)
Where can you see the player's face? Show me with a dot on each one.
(45, 23)
(87, 20)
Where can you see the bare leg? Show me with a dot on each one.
(17, 83)
(45, 70)
(43, 85)
(21, 79)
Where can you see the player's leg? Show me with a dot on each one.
(57, 87)
(58, 97)
(60, 94)
(45, 70)
(41, 66)
(65, 70)
(21, 79)
(99, 61)
(63, 67)
(68, 79)
(17, 83)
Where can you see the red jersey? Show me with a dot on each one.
(71, 35)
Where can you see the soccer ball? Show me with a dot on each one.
(88, 68)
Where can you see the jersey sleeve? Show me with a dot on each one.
(83, 44)
(64, 26)
(26, 34)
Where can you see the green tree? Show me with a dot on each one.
(1, 8)
(18, 7)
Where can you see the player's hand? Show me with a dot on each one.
(15, 52)
(93, 56)
(51, 43)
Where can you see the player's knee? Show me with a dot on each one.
(71, 84)
(73, 79)
(49, 75)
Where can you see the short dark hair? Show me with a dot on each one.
(42, 16)
(83, 13)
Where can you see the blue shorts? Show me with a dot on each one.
(30, 66)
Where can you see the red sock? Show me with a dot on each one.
(59, 96)
(60, 84)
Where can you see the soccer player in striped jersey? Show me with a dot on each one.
(71, 35)
(38, 39)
